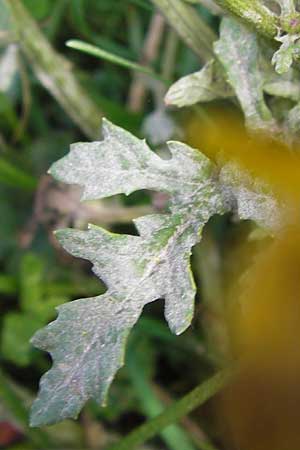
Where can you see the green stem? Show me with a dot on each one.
(253, 13)
(54, 71)
(174, 436)
(189, 25)
(111, 57)
(175, 411)
(169, 54)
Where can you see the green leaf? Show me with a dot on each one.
(288, 51)
(108, 56)
(203, 86)
(87, 340)
(238, 52)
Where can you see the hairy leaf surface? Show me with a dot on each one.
(87, 339)
(203, 86)
(288, 51)
(238, 51)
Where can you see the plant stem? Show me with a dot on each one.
(169, 54)
(189, 25)
(254, 14)
(54, 71)
(175, 411)
(115, 59)
(174, 436)
(150, 51)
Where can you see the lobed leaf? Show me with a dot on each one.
(87, 339)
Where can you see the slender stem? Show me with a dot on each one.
(174, 436)
(254, 13)
(169, 54)
(118, 60)
(175, 411)
(189, 25)
(151, 47)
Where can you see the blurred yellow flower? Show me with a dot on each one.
(260, 409)
(225, 139)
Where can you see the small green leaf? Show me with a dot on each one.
(115, 59)
(203, 86)
(87, 340)
(288, 51)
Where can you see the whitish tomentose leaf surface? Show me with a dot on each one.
(87, 339)
(238, 52)
(254, 199)
(203, 86)
(289, 49)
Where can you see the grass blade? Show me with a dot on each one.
(115, 59)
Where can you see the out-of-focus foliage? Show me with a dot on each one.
(264, 329)
(51, 96)
(35, 274)
(221, 139)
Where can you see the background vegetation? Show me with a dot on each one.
(49, 99)
(52, 95)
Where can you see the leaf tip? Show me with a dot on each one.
(72, 43)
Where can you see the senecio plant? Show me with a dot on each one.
(256, 53)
